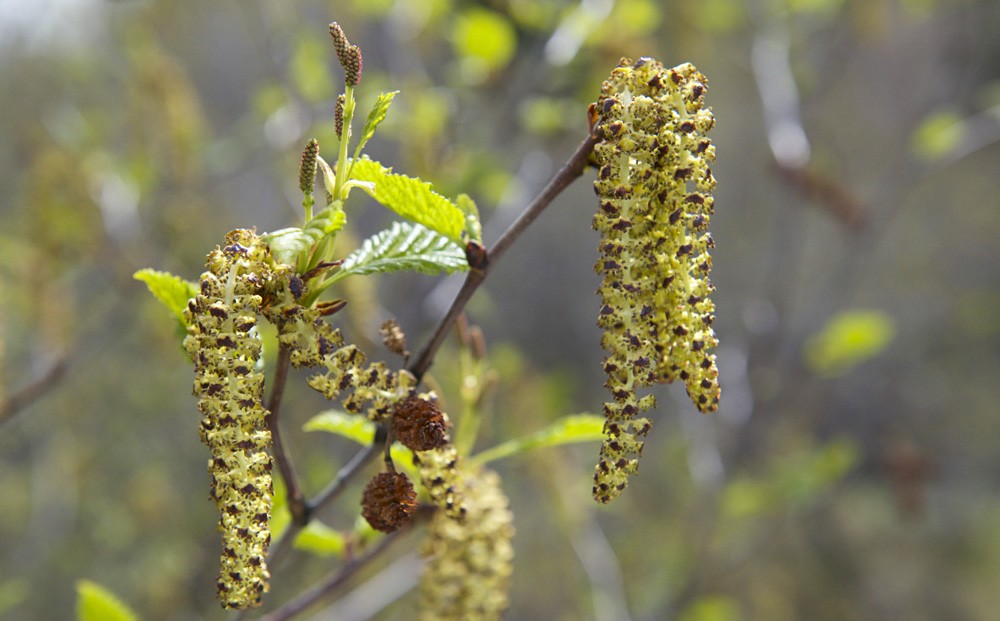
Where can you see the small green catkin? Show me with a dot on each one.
(307, 166)
(225, 349)
(654, 186)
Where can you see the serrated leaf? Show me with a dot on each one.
(411, 198)
(321, 540)
(172, 291)
(572, 429)
(96, 603)
(405, 246)
(349, 426)
(377, 114)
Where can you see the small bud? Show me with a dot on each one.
(352, 66)
(419, 424)
(340, 43)
(393, 338)
(388, 501)
(338, 116)
(307, 166)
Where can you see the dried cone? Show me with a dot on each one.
(419, 424)
(388, 501)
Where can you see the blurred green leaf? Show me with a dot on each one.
(847, 340)
(413, 199)
(643, 17)
(572, 429)
(473, 227)
(12, 593)
(938, 135)
(711, 608)
(405, 246)
(377, 114)
(350, 426)
(172, 291)
(95, 603)
(485, 37)
(320, 539)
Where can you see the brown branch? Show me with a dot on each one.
(333, 582)
(24, 397)
(572, 169)
(296, 500)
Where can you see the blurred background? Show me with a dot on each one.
(852, 470)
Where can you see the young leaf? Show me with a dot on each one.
(96, 603)
(405, 246)
(411, 198)
(356, 428)
(566, 430)
(173, 291)
(292, 244)
(376, 116)
(321, 540)
(473, 228)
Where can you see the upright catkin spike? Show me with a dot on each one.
(353, 66)
(338, 115)
(340, 43)
(307, 166)
(654, 187)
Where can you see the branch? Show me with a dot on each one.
(331, 583)
(572, 169)
(296, 500)
(34, 390)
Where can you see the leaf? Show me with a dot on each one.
(411, 198)
(405, 246)
(847, 340)
(173, 291)
(321, 540)
(293, 245)
(566, 430)
(349, 426)
(473, 228)
(375, 116)
(95, 603)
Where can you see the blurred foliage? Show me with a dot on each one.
(95, 603)
(136, 134)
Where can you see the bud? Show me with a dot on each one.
(393, 337)
(388, 501)
(307, 166)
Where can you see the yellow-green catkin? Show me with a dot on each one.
(654, 185)
(226, 350)
(467, 575)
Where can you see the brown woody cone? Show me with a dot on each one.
(419, 424)
(388, 501)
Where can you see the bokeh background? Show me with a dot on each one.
(852, 470)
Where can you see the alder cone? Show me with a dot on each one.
(388, 501)
(419, 424)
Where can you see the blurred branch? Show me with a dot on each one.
(296, 500)
(572, 169)
(42, 384)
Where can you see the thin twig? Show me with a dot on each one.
(296, 500)
(572, 169)
(331, 583)
(42, 384)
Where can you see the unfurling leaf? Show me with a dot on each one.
(376, 116)
(411, 198)
(566, 430)
(173, 291)
(96, 603)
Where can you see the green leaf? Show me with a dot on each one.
(292, 246)
(566, 430)
(405, 246)
(375, 116)
(411, 198)
(173, 291)
(473, 228)
(349, 426)
(847, 340)
(321, 540)
(95, 603)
